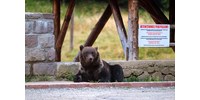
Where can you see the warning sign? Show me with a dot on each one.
(154, 35)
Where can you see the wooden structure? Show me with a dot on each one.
(128, 40)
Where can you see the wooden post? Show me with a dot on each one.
(56, 13)
(172, 21)
(97, 29)
(65, 25)
(72, 33)
(119, 24)
(133, 29)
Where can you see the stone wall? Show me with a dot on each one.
(39, 40)
(162, 70)
(149, 69)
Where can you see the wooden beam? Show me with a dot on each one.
(56, 13)
(149, 10)
(172, 21)
(133, 29)
(172, 11)
(97, 29)
(155, 12)
(119, 24)
(159, 14)
(64, 28)
(172, 26)
(172, 44)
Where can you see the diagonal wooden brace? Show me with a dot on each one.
(155, 12)
(64, 28)
(97, 29)
(119, 24)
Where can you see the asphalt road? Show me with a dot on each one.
(112, 93)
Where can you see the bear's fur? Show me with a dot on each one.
(95, 69)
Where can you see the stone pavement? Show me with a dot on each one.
(106, 93)
(100, 91)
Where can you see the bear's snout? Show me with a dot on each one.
(90, 58)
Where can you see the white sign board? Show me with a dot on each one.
(153, 35)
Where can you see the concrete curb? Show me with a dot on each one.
(46, 85)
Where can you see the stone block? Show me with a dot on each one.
(137, 72)
(169, 78)
(67, 67)
(46, 40)
(31, 41)
(29, 25)
(127, 72)
(165, 71)
(165, 63)
(157, 76)
(40, 27)
(27, 69)
(150, 69)
(172, 70)
(144, 76)
(132, 64)
(143, 64)
(43, 26)
(44, 68)
(48, 16)
(50, 26)
(50, 54)
(30, 15)
(34, 54)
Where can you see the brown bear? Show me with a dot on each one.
(96, 70)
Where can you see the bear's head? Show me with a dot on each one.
(89, 55)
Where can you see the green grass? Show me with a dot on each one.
(37, 78)
(38, 6)
(133, 78)
(86, 16)
(66, 76)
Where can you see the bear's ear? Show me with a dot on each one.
(96, 48)
(81, 47)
